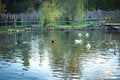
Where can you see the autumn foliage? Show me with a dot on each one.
(2, 7)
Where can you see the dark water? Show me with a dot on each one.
(32, 56)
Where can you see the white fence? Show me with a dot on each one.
(99, 14)
(24, 18)
(31, 17)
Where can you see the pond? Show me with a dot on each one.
(32, 56)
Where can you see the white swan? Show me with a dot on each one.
(87, 35)
(79, 34)
(88, 46)
(78, 41)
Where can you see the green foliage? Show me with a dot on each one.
(64, 10)
(72, 9)
(103, 4)
(36, 4)
(9, 21)
(18, 21)
(49, 12)
(30, 10)
(38, 19)
(17, 6)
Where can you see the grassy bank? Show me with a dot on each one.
(20, 27)
(77, 24)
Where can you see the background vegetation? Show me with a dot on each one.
(51, 11)
(18, 6)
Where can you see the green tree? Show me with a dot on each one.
(49, 12)
(72, 9)
(67, 10)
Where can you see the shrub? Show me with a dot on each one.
(18, 21)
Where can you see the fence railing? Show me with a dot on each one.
(100, 14)
(31, 18)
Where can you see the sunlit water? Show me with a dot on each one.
(32, 56)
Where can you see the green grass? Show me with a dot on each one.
(82, 23)
(39, 26)
(14, 27)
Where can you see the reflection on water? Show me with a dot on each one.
(32, 56)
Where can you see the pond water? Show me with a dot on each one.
(32, 56)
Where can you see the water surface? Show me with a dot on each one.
(32, 56)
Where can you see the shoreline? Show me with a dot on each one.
(49, 29)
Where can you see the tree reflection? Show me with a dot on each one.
(25, 58)
(65, 62)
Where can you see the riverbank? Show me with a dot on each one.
(89, 24)
(29, 28)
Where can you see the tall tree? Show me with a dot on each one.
(68, 10)
(72, 9)
(49, 12)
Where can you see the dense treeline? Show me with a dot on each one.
(18, 6)
(103, 4)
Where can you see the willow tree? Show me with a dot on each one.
(49, 12)
(72, 9)
(80, 9)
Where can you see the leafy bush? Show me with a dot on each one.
(10, 21)
(18, 21)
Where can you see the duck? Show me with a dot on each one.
(88, 46)
(78, 41)
(53, 41)
(19, 42)
(87, 35)
(111, 51)
(79, 34)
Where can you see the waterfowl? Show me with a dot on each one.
(88, 46)
(79, 34)
(53, 41)
(111, 51)
(87, 35)
(19, 42)
(78, 41)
